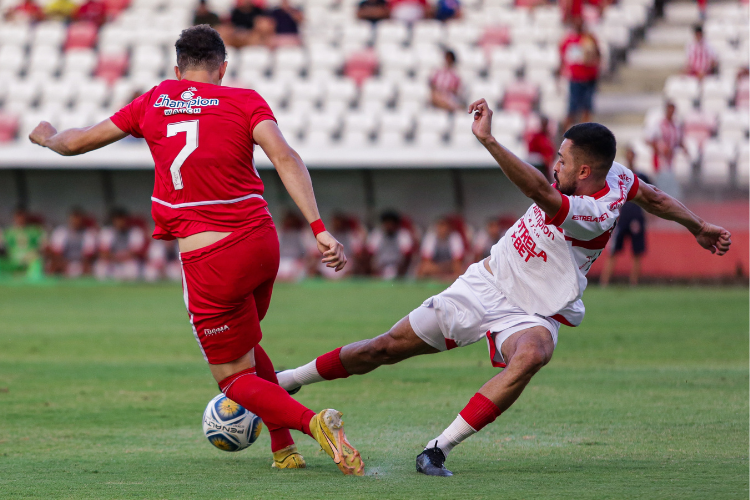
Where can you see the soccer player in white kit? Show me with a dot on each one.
(532, 282)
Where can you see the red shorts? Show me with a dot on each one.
(227, 289)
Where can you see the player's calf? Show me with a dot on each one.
(358, 358)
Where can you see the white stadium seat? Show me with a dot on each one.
(743, 165)
(291, 124)
(461, 33)
(44, 60)
(12, 58)
(14, 34)
(715, 160)
(428, 31)
(488, 89)
(50, 33)
(395, 61)
(79, 62)
(357, 34)
(256, 58)
(505, 59)
(377, 91)
(391, 31)
(433, 120)
(413, 95)
(148, 58)
(340, 89)
(682, 87)
(733, 125)
(289, 61)
(57, 91)
(93, 91)
(509, 123)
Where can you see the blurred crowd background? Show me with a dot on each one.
(354, 81)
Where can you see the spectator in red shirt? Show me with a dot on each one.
(445, 85)
(93, 11)
(580, 56)
(28, 10)
(701, 58)
(541, 148)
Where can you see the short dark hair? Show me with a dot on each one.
(200, 47)
(593, 144)
(390, 216)
(698, 28)
(451, 55)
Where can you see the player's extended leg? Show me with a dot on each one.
(525, 352)
(397, 344)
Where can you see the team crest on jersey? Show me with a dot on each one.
(190, 104)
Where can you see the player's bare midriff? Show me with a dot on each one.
(200, 240)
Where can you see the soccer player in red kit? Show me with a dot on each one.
(208, 195)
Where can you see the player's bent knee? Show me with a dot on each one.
(532, 358)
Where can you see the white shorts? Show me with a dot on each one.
(471, 309)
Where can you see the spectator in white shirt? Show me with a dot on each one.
(73, 246)
(162, 261)
(442, 252)
(121, 248)
(391, 246)
(701, 58)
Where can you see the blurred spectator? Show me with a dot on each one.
(665, 138)
(447, 9)
(162, 261)
(295, 248)
(391, 246)
(445, 85)
(121, 248)
(541, 148)
(579, 53)
(204, 15)
(72, 247)
(373, 10)
(22, 244)
(92, 11)
(632, 226)
(491, 234)
(409, 11)
(60, 10)
(701, 58)
(26, 11)
(442, 252)
(287, 20)
(250, 24)
(348, 231)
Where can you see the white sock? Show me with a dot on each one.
(303, 375)
(455, 433)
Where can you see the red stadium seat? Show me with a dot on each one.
(361, 65)
(520, 96)
(8, 127)
(742, 98)
(114, 7)
(699, 126)
(112, 66)
(494, 35)
(81, 35)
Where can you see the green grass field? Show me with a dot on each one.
(102, 388)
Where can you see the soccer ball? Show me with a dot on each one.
(229, 426)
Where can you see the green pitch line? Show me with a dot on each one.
(102, 390)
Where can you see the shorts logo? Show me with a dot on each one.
(213, 331)
(190, 104)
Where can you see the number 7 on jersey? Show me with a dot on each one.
(191, 144)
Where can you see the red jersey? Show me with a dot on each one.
(575, 53)
(201, 139)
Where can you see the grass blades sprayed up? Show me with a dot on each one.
(102, 390)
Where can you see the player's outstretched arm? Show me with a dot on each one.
(296, 179)
(76, 141)
(529, 180)
(654, 201)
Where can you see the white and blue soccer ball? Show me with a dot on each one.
(229, 426)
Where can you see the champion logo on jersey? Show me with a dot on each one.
(214, 331)
(190, 104)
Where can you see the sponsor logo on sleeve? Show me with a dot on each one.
(190, 103)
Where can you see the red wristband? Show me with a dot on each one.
(317, 227)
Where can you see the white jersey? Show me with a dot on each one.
(540, 264)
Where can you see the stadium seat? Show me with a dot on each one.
(380, 92)
(44, 60)
(57, 91)
(81, 35)
(361, 65)
(114, 38)
(547, 59)
(291, 124)
(461, 135)
(93, 91)
(488, 89)
(289, 60)
(698, 126)
(494, 36)
(742, 95)
(8, 126)
(255, 58)
(520, 96)
(428, 31)
(80, 62)
(20, 94)
(325, 58)
(505, 59)
(311, 90)
(733, 125)
(391, 31)
(471, 60)
(461, 34)
(715, 160)
(509, 123)
(433, 121)
(743, 166)
(123, 91)
(395, 61)
(357, 34)
(50, 33)
(17, 34)
(111, 65)
(148, 58)
(12, 58)
(413, 95)
(679, 87)
(274, 91)
(394, 126)
(340, 89)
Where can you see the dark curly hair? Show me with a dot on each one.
(200, 47)
(593, 144)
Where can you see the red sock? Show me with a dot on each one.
(329, 365)
(479, 412)
(280, 436)
(270, 402)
